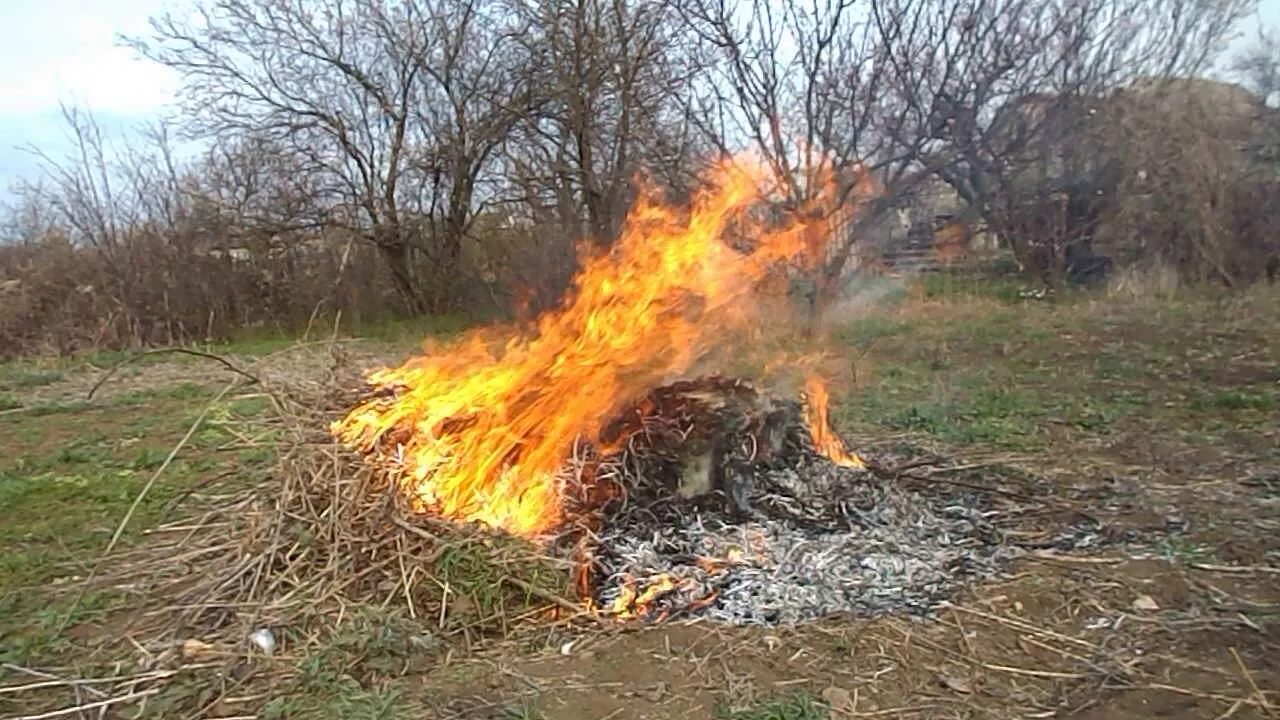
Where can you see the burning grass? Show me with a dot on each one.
(478, 429)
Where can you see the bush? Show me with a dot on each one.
(58, 298)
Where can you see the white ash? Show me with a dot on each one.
(775, 532)
(860, 545)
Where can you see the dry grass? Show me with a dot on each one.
(379, 614)
(1158, 280)
(323, 541)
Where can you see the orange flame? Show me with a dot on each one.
(817, 418)
(629, 605)
(478, 430)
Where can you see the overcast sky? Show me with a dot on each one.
(66, 50)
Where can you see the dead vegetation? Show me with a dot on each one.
(319, 542)
(361, 598)
(454, 156)
(1174, 612)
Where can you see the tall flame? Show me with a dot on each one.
(483, 424)
(817, 417)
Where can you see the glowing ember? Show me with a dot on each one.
(825, 440)
(478, 430)
(629, 605)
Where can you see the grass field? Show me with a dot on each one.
(1158, 415)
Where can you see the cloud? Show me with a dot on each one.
(67, 51)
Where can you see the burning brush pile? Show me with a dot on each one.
(708, 495)
(744, 508)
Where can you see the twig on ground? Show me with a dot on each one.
(1253, 684)
(161, 351)
(1205, 695)
(47, 676)
(61, 682)
(90, 706)
(1236, 569)
(552, 598)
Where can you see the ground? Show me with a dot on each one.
(1155, 416)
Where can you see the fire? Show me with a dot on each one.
(477, 430)
(630, 605)
(817, 418)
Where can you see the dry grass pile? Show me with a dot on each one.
(243, 582)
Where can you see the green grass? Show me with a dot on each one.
(68, 475)
(356, 673)
(1260, 399)
(969, 371)
(946, 284)
(798, 706)
(18, 377)
(1180, 549)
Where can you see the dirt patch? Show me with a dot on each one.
(1104, 640)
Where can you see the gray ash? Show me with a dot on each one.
(718, 489)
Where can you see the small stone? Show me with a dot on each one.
(838, 699)
(264, 639)
(1145, 603)
(958, 684)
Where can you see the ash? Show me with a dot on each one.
(778, 533)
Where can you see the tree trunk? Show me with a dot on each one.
(399, 258)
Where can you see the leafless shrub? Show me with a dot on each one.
(1192, 194)
(117, 250)
(366, 156)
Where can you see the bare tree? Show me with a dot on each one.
(806, 85)
(613, 74)
(1000, 88)
(1258, 67)
(82, 188)
(394, 108)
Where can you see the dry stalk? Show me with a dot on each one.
(321, 535)
(163, 351)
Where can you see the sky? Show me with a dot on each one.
(67, 51)
(54, 51)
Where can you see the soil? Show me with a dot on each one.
(1031, 647)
